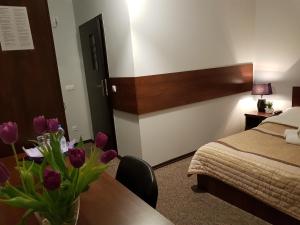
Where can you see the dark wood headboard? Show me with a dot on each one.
(296, 96)
(145, 94)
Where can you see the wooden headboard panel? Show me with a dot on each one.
(296, 96)
(145, 94)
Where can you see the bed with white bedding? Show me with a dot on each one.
(258, 162)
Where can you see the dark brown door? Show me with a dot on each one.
(29, 81)
(96, 73)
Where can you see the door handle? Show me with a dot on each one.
(105, 86)
(102, 87)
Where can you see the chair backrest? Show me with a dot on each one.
(138, 176)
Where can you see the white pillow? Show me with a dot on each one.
(290, 117)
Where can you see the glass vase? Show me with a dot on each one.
(70, 218)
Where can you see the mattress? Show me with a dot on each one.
(258, 162)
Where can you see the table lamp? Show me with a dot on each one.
(261, 89)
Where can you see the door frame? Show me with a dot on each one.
(99, 19)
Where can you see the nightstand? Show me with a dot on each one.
(253, 119)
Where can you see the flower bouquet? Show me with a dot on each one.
(51, 188)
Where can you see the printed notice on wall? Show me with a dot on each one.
(15, 33)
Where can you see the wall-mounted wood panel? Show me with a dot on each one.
(125, 98)
(29, 81)
(296, 96)
(147, 94)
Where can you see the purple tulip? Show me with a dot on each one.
(53, 125)
(40, 124)
(52, 179)
(77, 157)
(9, 132)
(101, 140)
(108, 156)
(4, 173)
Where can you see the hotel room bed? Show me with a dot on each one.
(255, 170)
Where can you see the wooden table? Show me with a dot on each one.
(106, 203)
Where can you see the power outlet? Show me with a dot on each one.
(75, 128)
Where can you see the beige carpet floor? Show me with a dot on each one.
(180, 204)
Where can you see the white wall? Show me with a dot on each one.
(177, 35)
(70, 70)
(277, 48)
(128, 134)
(147, 37)
(116, 28)
(120, 60)
(171, 133)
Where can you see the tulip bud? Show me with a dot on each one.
(4, 173)
(52, 179)
(53, 125)
(40, 124)
(101, 140)
(108, 156)
(77, 157)
(9, 132)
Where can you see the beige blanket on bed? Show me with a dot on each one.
(267, 141)
(258, 162)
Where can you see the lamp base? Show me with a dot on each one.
(261, 105)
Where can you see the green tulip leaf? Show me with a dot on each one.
(26, 203)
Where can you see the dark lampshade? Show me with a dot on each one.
(262, 89)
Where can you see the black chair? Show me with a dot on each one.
(138, 176)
